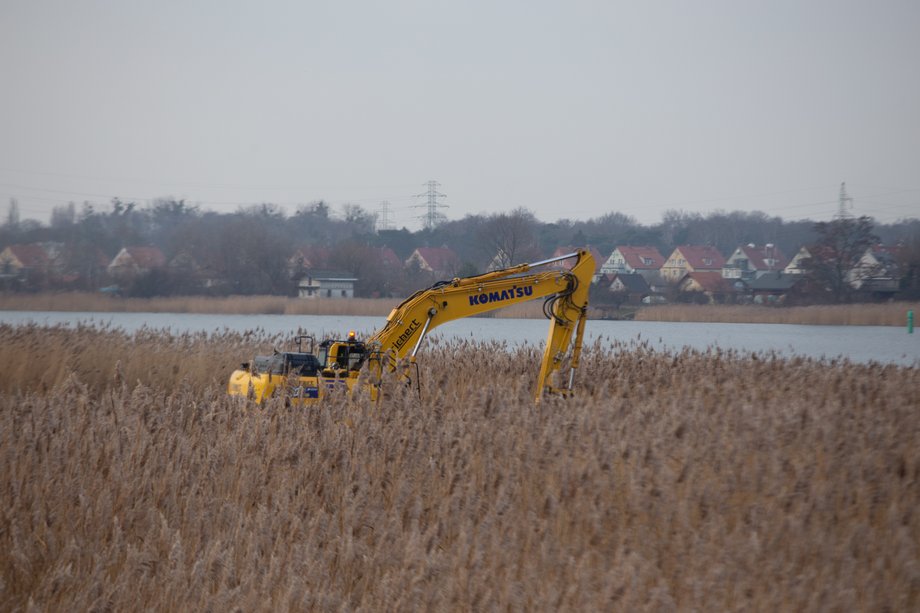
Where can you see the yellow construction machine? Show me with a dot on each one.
(308, 374)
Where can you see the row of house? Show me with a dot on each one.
(307, 266)
(759, 273)
(29, 262)
(634, 273)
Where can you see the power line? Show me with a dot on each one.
(78, 195)
(193, 184)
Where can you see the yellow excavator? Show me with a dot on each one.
(308, 374)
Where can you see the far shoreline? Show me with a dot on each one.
(861, 314)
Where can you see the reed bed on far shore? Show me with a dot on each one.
(862, 314)
(232, 305)
(887, 314)
(223, 305)
(708, 481)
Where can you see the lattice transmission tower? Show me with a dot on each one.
(844, 203)
(432, 216)
(383, 217)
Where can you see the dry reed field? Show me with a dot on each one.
(702, 481)
(862, 314)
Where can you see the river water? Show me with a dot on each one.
(885, 344)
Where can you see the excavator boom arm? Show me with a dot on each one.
(566, 292)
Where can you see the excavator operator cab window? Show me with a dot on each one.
(356, 355)
(341, 355)
(349, 357)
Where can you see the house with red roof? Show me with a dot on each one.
(751, 261)
(22, 259)
(440, 261)
(692, 258)
(628, 259)
(643, 260)
(134, 261)
(388, 258)
(710, 284)
(27, 265)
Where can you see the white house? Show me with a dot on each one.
(797, 265)
(751, 261)
(877, 271)
(326, 284)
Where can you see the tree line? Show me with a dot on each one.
(248, 251)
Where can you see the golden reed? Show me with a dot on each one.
(672, 481)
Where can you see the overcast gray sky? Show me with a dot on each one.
(571, 109)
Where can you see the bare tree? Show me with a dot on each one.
(63, 217)
(511, 237)
(362, 221)
(841, 243)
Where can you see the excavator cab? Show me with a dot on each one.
(339, 357)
